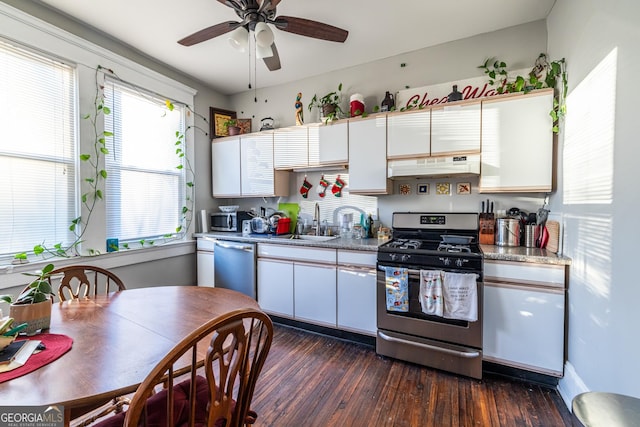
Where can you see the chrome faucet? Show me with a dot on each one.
(316, 219)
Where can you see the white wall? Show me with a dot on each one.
(518, 46)
(601, 235)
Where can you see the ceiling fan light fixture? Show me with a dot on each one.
(263, 51)
(263, 34)
(239, 39)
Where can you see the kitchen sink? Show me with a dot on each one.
(315, 238)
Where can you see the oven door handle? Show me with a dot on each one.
(464, 354)
(409, 270)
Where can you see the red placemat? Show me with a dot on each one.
(56, 346)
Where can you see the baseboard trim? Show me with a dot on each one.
(323, 330)
(571, 385)
(520, 374)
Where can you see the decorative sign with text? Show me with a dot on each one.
(473, 88)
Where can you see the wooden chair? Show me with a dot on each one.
(205, 389)
(85, 281)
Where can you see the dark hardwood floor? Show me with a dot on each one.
(315, 380)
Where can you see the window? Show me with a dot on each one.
(144, 190)
(37, 150)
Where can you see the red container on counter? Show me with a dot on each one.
(284, 226)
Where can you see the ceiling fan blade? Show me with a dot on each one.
(268, 5)
(309, 28)
(235, 4)
(209, 33)
(273, 62)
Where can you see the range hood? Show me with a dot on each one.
(434, 166)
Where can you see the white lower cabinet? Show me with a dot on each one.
(357, 299)
(275, 286)
(524, 316)
(204, 262)
(322, 286)
(315, 293)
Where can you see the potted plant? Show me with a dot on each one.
(33, 305)
(232, 127)
(329, 104)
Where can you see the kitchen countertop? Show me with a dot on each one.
(337, 243)
(490, 252)
(522, 254)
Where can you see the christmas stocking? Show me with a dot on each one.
(337, 187)
(306, 186)
(322, 187)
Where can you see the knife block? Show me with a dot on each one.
(487, 228)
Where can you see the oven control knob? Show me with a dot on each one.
(405, 257)
(393, 256)
(461, 261)
(445, 261)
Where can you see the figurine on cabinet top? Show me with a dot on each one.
(298, 105)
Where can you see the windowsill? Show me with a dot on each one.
(11, 275)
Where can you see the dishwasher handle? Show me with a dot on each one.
(240, 247)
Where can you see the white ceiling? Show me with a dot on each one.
(377, 29)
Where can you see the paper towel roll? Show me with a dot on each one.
(203, 226)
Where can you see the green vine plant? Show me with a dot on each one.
(544, 74)
(186, 214)
(91, 185)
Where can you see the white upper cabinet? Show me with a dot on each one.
(455, 129)
(291, 147)
(517, 143)
(225, 154)
(367, 155)
(313, 143)
(243, 167)
(408, 134)
(256, 164)
(334, 143)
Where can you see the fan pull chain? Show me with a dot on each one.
(255, 74)
(249, 53)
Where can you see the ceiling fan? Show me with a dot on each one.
(254, 15)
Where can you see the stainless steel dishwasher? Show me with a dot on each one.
(235, 266)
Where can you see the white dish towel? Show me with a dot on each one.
(431, 292)
(460, 293)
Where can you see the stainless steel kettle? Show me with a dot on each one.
(259, 225)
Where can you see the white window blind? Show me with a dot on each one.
(144, 190)
(37, 150)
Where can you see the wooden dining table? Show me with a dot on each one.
(117, 339)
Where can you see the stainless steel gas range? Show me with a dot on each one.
(425, 246)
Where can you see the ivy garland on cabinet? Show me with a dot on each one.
(544, 74)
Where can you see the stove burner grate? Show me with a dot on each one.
(405, 244)
(448, 247)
